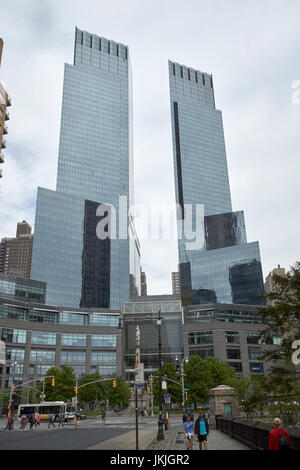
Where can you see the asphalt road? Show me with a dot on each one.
(88, 433)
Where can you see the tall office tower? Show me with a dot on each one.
(5, 102)
(95, 168)
(143, 283)
(223, 267)
(269, 284)
(16, 253)
(176, 283)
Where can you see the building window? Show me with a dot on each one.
(73, 340)
(237, 366)
(42, 369)
(78, 370)
(234, 353)
(97, 357)
(41, 337)
(107, 370)
(202, 352)
(67, 318)
(253, 337)
(43, 316)
(104, 320)
(254, 353)
(15, 313)
(15, 354)
(104, 340)
(42, 355)
(11, 335)
(200, 337)
(256, 367)
(232, 337)
(72, 356)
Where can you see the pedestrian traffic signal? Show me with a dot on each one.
(114, 383)
(75, 389)
(12, 388)
(53, 382)
(148, 390)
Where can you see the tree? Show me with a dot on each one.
(282, 318)
(283, 315)
(92, 392)
(174, 390)
(202, 374)
(119, 395)
(64, 384)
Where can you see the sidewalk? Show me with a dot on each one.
(127, 441)
(174, 440)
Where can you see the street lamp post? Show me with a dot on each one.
(182, 378)
(151, 390)
(14, 363)
(160, 433)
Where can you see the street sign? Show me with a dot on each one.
(139, 386)
(74, 399)
(187, 389)
(2, 353)
(164, 385)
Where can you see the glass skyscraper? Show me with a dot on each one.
(225, 268)
(95, 168)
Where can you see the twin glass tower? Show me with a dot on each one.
(95, 178)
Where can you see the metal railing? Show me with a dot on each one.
(255, 434)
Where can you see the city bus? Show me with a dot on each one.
(45, 409)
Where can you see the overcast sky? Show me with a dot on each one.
(251, 47)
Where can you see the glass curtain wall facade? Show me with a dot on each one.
(224, 268)
(95, 168)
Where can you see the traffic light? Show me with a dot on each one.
(12, 388)
(53, 382)
(114, 384)
(185, 395)
(148, 389)
(75, 389)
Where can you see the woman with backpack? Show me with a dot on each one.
(278, 438)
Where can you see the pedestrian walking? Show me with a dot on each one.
(31, 420)
(279, 439)
(202, 430)
(9, 423)
(23, 423)
(37, 420)
(51, 420)
(60, 420)
(165, 421)
(103, 416)
(188, 427)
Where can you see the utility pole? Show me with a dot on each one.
(160, 433)
(76, 394)
(136, 419)
(12, 387)
(151, 390)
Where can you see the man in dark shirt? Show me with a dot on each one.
(202, 430)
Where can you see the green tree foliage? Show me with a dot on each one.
(64, 384)
(282, 316)
(174, 390)
(119, 395)
(93, 392)
(202, 374)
